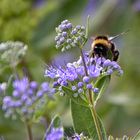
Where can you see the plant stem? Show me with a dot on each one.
(29, 130)
(84, 63)
(91, 100)
(94, 114)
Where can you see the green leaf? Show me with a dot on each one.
(79, 100)
(57, 122)
(137, 136)
(102, 84)
(83, 121)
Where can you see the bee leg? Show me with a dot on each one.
(91, 53)
(112, 47)
(102, 61)
(116, 55)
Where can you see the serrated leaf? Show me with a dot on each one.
(137, 136)
(83, 121)
(78, 100)
(102, 84)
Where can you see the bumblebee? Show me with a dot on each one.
(103, 46)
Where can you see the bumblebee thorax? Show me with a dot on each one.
(101, 42)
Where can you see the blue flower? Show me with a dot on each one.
(80, 71)
(51, 72)
(74, 88)
(109, 72)
(86, 79)
(24, 95)
(73, 75)
(21, 85)
(69, 36)
(34, 85)
(55, 134)
(96, 90)
(80, 84)
(94, 71)
(107, 63)
(89, 86)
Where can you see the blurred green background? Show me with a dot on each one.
(34, 22)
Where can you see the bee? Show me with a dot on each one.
(103, 46)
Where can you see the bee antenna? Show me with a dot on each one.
(114, 37)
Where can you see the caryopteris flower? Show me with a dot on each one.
(55, 131)
(24, 97)
(74, 77)
(55, 134)
(69, 36)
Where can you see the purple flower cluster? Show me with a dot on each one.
(69, 36)
(74, 77)
(55, 134)
(24, 97)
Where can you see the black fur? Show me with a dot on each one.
(102, 37)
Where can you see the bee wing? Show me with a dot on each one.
(116, 36)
